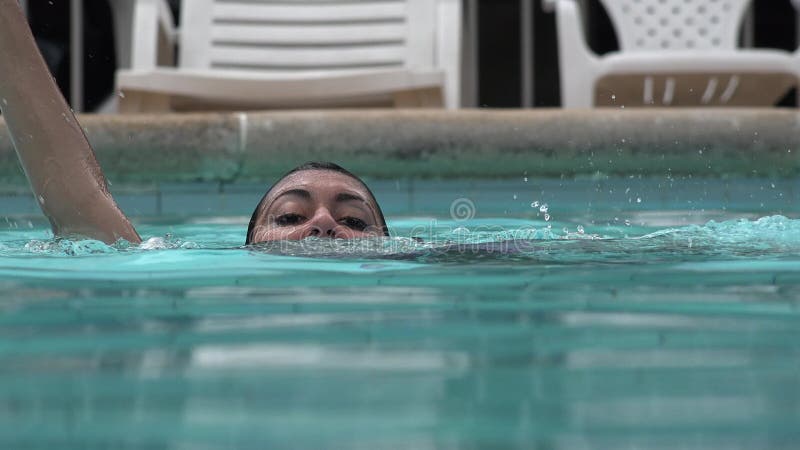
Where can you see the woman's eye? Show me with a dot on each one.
(285, 220)
(355, 223)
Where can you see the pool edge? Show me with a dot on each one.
(253, 146)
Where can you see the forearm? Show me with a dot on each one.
(52, 148)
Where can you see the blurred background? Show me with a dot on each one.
(510, 57)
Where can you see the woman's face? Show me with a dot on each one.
(320, 203)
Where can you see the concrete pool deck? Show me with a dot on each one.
(258, 146)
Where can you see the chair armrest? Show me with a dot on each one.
(153, 34)
(448, 49)
(167, 22)
(578, 64)
(796, 4)
(571, 37)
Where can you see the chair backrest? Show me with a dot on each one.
(307, 35)
(644, 25)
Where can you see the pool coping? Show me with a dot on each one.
(233, 147)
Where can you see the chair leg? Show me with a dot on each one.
(137, 102)
(419, 98)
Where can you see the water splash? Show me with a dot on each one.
(67, 247)
(778, 232)
(772, 235)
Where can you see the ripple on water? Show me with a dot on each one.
(512, 337)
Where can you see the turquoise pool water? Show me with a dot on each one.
(652, 318)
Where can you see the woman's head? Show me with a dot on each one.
(316, 199)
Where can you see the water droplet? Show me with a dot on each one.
(627, 223)
(547, 217)
(5, 102)
(121, 94)
(525, 179)
(638, 200)
(580, 229)
(41, 200)
(613, 97)
(544, 208)
(535, 204)
(515, 196)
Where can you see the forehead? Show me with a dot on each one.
(319, 183)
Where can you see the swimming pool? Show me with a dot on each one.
(643, 313)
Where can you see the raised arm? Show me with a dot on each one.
(59, 162)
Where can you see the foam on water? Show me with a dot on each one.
(766, 232)
(766, 235)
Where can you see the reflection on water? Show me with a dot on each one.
(612, 342)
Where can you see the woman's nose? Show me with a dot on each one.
(322, 225)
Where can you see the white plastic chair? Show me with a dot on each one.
(304, 53)
(672, 53)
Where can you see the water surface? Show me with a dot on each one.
(607, 330)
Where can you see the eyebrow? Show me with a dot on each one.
(347, 196)
(299, 192)
(341, 197)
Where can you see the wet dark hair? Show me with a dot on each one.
(312, 165)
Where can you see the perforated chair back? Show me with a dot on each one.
(646, 25)
(307, 35)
